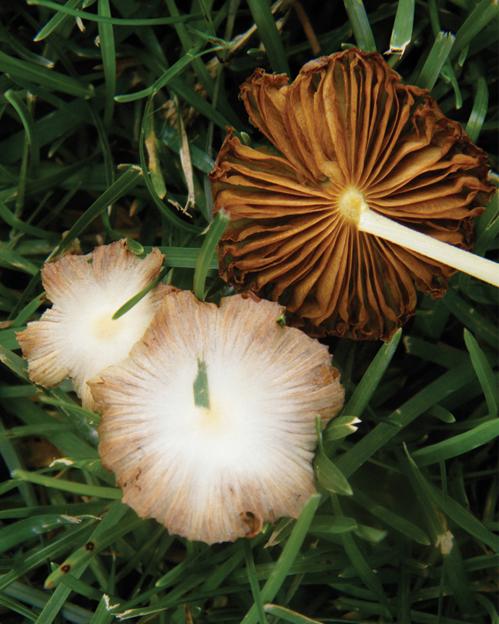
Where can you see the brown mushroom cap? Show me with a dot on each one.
(218, 471)
(348, 132)
(77, 337)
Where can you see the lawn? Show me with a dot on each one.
(113, 114)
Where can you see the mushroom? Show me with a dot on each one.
(210, 424)
(78, 336)
(369, 193)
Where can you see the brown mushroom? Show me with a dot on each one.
(369, 194)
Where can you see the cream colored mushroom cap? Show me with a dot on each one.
(77, 337)
(218, 473)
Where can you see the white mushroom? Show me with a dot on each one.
(78, 337)
(209, 424)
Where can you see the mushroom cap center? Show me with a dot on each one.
(351, 204)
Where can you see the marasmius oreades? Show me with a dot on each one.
(77, 337)
(368, 193)
(210, 424)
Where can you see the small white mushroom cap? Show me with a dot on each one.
(218, 472)
(77, 337)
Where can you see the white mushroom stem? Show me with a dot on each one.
(354, 207)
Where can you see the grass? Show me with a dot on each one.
(404, 527)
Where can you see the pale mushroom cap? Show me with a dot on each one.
(216, 474)
(77, 337)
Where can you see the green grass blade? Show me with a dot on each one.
(359, 562)
(108, 51)
(287, 615)
(45, 77)
(484, 12)
(288, 555)
(167, 76)
(16, 364)
(390, 518)
(16, 607)
(115, 21)
(484, 373)
(439, 53)
(267, 29)
(330, 476)
(471, 318)
(457, 577)
(7, 216)
(255, 586)
(11, 258)
(114, 525)
(417, 405)
(120, 187)
(183, 257)
(54, 549)
(402, 29)
(340, 427)
(29, 127)
(214, 233)
(55, 21)
(457, 445)
(168, 214)
(80, 489)
(479, 111)
(134, 300)
(372, 377)
(11, 536)
(489, 607)
(360, 25)
(455, 511)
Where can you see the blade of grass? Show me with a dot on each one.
(360, 564)
(372, 377)
(404, 415)
(172, 218)
(255, 587)
(79, 489)
(120, 187)
(48, 78)
(360, 25)
(14, 534)
(11, 258)
(457, 445)
(390, 518)
(288, 615)
(267, 29)
(134, 300)
(55, 21)
(214, 233)
(167, 76)
(29, 126)
(402, 28)
(484, 373)
(483, 13)
(115, 21)
(479, 111)
(108, 51)
(439, 53)
(471, 318)
(56, 547)
(454, 510)
(287, 557)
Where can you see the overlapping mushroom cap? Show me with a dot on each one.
(209, 425)
(77, 337)
(348, 132)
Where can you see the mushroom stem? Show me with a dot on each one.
(378, 225)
